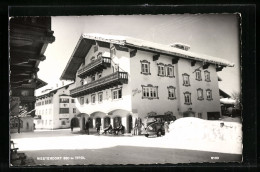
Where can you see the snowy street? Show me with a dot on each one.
(62, 146)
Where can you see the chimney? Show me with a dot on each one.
(62, 83)
(180, 46)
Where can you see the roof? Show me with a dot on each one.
(223, 94)
(53, 90)
(227, 101)
(40, 83)
(86, 40)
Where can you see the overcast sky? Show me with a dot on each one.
(215, 35)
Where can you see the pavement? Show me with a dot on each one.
(63, 147)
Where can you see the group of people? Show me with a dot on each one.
(116, 130)
(109, 128)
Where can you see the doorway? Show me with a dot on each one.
(130, 123)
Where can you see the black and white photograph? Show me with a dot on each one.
(125, 89)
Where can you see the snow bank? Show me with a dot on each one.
(198, 134)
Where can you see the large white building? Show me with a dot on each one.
(119, 79)
(55, 108)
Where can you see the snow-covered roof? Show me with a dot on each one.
(227, 101)
(52, 90)
(88, 39)
(129, 41)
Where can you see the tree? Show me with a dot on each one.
(237, 97)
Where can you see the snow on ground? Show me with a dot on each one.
(185, 133)
(206, 135)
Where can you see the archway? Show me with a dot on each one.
(76, 124)
(117, 121)
(90, 122)
(106, 121)
(98, 120)
(83, 123)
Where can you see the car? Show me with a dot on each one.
(154, 124)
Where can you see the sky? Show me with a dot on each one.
(211, 34)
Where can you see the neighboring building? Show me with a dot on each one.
(120, 79)
(55, 108)
(29, 38)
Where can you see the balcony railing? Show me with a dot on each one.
(114, 79)
(95, 66)
(27, 98)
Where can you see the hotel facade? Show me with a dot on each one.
(121, 79)
(54, 108)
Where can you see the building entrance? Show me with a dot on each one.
(106, 122)
(117, 121)
(130, 123)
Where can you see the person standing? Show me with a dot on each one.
(87, 127)
(136, 129)
(72, 123)
(166, 127)
(98, 128)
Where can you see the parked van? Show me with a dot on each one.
(154, 124)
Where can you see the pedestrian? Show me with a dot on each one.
(98, 128)
(72, 123)
(166, 127)
(136, 129)
(87, 127)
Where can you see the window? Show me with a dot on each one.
(72, 100)
(64, 110)
(200, 94)
(198, 74)
(81, 100)
(42, 102)
(93, 98)
(161, 69)
(82, 82)
(100, 97)
(145, 67)
(186, 79)
(199, 115)
(74, 110)
(99, 55)
(99, 75)
(171, 93)
(170, 71)
(92, 77)
(95, 48)
(187, 98)
(64, 100)
(207, 76)
(25, 92)
(112, 51)
(117, 93)
(150, 92)
(63, 123)
(49, 101)
(209, 94)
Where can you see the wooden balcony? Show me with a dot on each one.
(95, 66)
(106, 82)
(27, 98)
